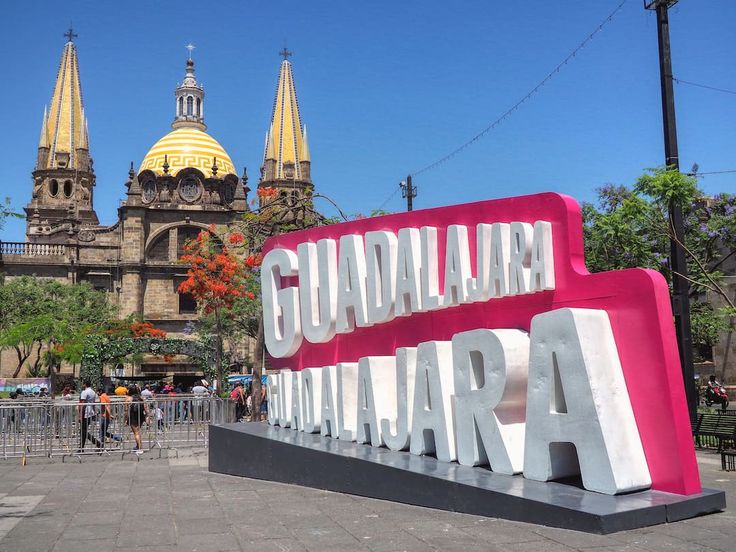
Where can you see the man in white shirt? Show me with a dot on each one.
(200, 389)
(87, 413)
(147, 393)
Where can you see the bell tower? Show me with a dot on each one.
(64, 179)
(286, 160)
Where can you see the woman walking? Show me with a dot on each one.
(135, 415)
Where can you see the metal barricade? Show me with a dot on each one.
(44, 428)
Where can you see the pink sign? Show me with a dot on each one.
(636, 300)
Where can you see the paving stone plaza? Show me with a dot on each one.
(174, 504)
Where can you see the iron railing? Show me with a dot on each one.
(38, 428)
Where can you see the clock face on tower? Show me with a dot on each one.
(189, 189)
(149, 191)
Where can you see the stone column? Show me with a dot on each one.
(131, 295)
(173, 245)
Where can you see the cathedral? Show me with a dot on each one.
(186, 183)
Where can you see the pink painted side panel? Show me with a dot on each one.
(637, 302)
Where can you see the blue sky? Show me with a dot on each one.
(385, 87)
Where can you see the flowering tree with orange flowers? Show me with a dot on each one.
(216, 279)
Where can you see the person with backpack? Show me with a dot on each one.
(238, 395)
(135, 415)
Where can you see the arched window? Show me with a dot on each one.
(181, 106)
(199, 107)
(190, 106)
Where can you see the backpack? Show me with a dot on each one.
(137, 414)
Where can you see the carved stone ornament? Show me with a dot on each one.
(190, 189)
(149, 191)
(86, 236)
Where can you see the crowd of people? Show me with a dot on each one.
(96, 405)
(243, 398)
(103, 413)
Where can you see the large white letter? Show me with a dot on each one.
(499, 264)
(329, 424)
(542, 273)
(380, 250)
(376, 393)
(318, 289)
(578, 402)
(478, 287)
(272, 387)
(457, 265)
(297, 413)
(312, 399)
(282, 328)
(395, 431)
(490, 397)
(408, 270)
(431, 298)
(347, 399)
(285, 398)
(432, 427)
(520, 260)
(351, 303)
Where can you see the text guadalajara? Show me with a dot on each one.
(376, 277)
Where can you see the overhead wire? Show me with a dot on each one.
(701, 174)
(706, 86)
(518, 104)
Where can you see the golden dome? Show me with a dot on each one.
(187, 147)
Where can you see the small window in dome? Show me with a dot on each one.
(68, 188)
(181, 106)
(54, 188)
(190, 106)
(199, 107)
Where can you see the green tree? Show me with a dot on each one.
(629, 227)
(49, 318)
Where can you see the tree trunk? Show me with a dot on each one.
(37, 362)
(22, 357)
(257, 372)
(218, 352)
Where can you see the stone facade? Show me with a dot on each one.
(135, 260)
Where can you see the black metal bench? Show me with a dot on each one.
(714, 430)
(728, 460)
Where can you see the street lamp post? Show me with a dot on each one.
(678, 262)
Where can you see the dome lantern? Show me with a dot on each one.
(189, 99)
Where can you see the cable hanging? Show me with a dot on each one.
(707, 87)
(516, 106)
(531, 93)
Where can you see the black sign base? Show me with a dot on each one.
(260, 451)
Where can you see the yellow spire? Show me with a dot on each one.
(270, 152)
(65, 123)
(285, 143)
(43, 141)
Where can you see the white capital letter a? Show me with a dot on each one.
(577, 402)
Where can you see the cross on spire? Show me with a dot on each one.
(190, 47)
(286, 54)
(70, 34)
